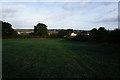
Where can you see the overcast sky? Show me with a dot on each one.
(61, 15)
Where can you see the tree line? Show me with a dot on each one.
(41, 31)
(100, 35)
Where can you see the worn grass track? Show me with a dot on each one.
(56, 58)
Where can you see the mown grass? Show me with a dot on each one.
(57, 58)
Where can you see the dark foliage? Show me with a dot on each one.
(81, 38)
(7, 30)
(65, 33)
(61, 33)
(54, 35)
(114, 36)
(100, 35)
(69, 31)
(41, 29)
(31, 33)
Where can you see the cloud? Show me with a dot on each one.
(107, 6)
(106, 19)
(54, 16)
(106, 12)
(11, 10)
(68, 6)
(59, 0)
(113, 10)
(107, 3)
(85, 4)
(58, 17)
(20, 23)
(71, 6)
(63, 15)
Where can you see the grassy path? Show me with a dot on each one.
(35, 58)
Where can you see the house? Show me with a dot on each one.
(73, 34)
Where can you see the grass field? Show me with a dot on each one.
(56, 58)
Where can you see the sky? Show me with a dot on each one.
(61, 15)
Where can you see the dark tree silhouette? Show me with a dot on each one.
(41, 29)
(101, 34)
(61, 33)
(7, 30)
(114, 36)
(69, 31)
(93, 33)
(66, 33)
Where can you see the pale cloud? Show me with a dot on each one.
(20, 23)
(82, 15)
(108, 12)
(59, 0)
(107, 7)
(12, 14)
(107, 19)
(69, 5)
(56, 18)
(85, 4)
(113, 10)
(11, 10)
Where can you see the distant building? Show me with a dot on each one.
(24, 31)
(19, 33)
(27, 31)
(73, 34)
(53, 31)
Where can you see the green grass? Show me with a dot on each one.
(56, 58)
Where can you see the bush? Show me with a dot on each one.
(81, 38)
(54, 35)
(100, 35)
(114, 36)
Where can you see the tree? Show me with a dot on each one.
(68, 32)
(41, 29)
(7, 30)
(114, 36)
(61, 33)
(101, 34)
(93, 33)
